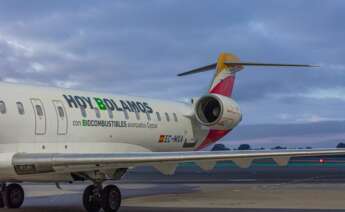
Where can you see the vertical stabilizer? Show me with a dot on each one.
(224, 78)
(223, 83)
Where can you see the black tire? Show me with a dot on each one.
(91, 201)
(2, 204)
(13, 196)
(111, 198)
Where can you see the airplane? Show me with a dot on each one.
(61, 135)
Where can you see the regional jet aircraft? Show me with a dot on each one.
(59, 135)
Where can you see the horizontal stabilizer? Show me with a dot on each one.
(214, 65)
(267, 64)
(198, 70)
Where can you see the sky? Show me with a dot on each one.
(138, 47)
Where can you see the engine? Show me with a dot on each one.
(217, 112)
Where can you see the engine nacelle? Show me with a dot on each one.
(217, 112)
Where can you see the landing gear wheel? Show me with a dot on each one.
(111, 198)
(2, 204)
(13, 196)
(91, 199)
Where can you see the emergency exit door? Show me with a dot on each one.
(61, 117)
(40, 117)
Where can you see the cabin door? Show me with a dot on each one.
(61, 117)
(40, 117)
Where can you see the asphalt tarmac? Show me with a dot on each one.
(302, 186)
(253, 197)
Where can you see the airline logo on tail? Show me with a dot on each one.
(224, 78)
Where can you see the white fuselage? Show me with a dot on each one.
(50, 120)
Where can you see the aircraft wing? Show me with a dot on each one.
(165, 162)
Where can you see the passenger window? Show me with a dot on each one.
(83, 112)
(110, 113)
(60, 111)
(167, 117)
(137, 115)
(2, 107)
(125, 112)
(175, 117)
(98, 114)
(158, 116)
(39, 110)
(148, 116)
(20, 107)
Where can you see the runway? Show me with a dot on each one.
(300, 187)
(253, 197)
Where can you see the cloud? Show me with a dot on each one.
(137, 48)
(324, 94)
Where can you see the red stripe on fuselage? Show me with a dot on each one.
(212, 137)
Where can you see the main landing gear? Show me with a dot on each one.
(12, 196)
(96, 197)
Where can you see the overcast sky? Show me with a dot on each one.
(138, 47)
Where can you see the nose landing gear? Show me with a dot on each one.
(95, 197)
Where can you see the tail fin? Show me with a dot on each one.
(226, 67)
(224, 78)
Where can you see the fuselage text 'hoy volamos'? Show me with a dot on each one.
(107, 104)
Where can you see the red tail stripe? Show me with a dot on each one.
(224, 87)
